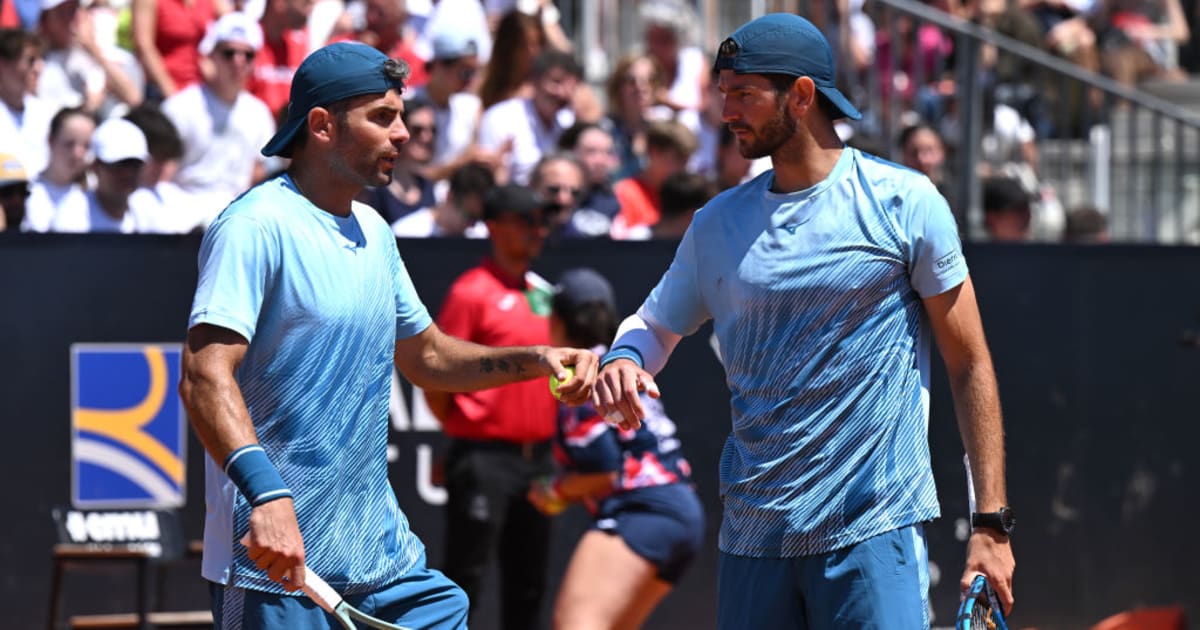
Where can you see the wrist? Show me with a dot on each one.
(623, 352)
(255, 476)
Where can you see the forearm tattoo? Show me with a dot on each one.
(488, 366)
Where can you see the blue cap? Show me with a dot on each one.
(583, 285)
(328, 75)
(783, 43)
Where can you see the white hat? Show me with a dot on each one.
(117, 139)
(232, 27)
(453, 44)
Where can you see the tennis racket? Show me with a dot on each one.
(980, 609)
(333, 603)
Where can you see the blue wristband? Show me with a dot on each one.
(623, 352)
(252, 472)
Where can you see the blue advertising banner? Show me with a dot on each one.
(128, 427)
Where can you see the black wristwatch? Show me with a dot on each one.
(1002, 521)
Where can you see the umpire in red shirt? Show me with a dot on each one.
(500, 438)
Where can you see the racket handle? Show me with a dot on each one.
(320, 592)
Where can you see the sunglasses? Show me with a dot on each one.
(417, 130)
(230, 53)
(557, 190)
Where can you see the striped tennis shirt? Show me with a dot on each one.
(816, 302)
(322, 300)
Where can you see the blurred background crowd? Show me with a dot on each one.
(147, 116)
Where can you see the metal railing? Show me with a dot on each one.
(1130, 154)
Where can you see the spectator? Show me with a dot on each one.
(452, 68)
(24, 118)
(409, 190)
(500, 438)
(668, 146)
(1086, 225)
(593, 147)
(519, 40)
(733, 168)
(174, 209)
(386, 28)
(460, 214)
(120, 150)
(1007, 215)
(1141, 38)
(648, 522)
(670, 27)
(559, 181)
(166, 40)
(284, 46)
(59, 189)
(631, 107)
(533, 125)
(464, 19)
(14, 190)
(682, 195)
(222, 125)
(923, 150)
(77, 72)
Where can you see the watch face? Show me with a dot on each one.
(1007, 519)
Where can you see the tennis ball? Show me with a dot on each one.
(554, 382)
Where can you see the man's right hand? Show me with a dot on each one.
(274, 542)
(616, 393)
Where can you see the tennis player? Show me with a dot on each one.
(302, 306)
(827, 280)
(637, 485)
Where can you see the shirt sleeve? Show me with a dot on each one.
(936, 262)
(236, 263)
(676, 301)
(411, 315)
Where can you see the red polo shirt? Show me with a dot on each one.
(274, 66)
(487, 306)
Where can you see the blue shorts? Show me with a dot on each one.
(423, 598)
(663, 524)
(881, 582)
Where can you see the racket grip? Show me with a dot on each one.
(320, 592)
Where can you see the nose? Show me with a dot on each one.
(398, 133)
(729, 112)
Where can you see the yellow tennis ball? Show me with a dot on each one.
(554, 382)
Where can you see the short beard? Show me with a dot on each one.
(773, 135)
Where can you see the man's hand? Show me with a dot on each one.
(575, 390)
(990, 554)
(616, 393)
(274, 543)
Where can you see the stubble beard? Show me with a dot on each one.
(773, 135)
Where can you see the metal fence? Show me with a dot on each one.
(1132, 155)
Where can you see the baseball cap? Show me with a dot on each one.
(234, 27)
(510, 199)
(330, 74)
(11, 170)
(783, 43)
(453, 44)
(117, 139)
(580, 286)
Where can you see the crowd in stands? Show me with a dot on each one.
(149, 115)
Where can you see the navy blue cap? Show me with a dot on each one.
(580, 286)
(784, 43)
(328, 75)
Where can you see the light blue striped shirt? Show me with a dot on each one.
(322, 300)
(815, 298)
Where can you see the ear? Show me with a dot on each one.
(322, 125)
(802, 98)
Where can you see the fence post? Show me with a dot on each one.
(970, 131)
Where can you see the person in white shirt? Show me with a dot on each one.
(60, 185)
(533, 125)
(120, 150)
(77, 73)
(459, 215)
(222, 125)
(24, 118)
(174, 210)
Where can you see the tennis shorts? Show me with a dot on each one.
(423, 598)
(879, 583)
(663, 524)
